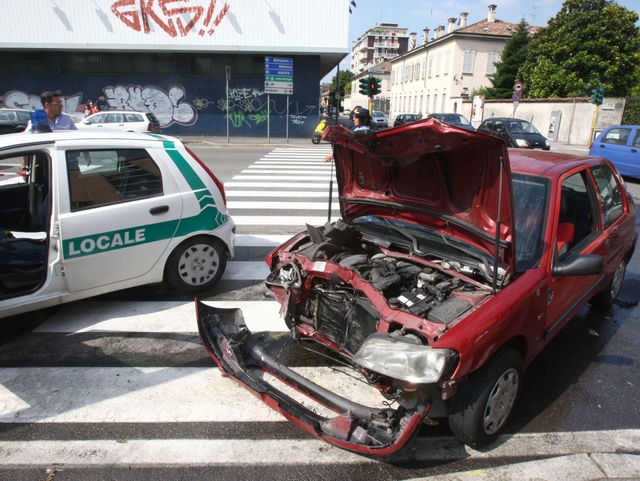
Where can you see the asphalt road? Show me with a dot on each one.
(583, 390)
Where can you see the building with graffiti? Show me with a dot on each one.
(201, 66)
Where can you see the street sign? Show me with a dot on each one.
(516, 96)
(517, 87)
(276, 90)
(278, 75)
(283, 85)
(376, 70)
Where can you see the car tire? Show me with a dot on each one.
(196, 264)
(605, 299)
(481, 407)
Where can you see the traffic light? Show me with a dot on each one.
(364, 86)
(375, 84)
(597, 96)
(600, 96)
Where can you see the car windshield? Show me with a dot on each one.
(377, 114)
(454, 119)
(522, 127)
(531, 197)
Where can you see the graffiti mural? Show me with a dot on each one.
(17, 99)
(167, 107)
(175, 18)
(248, 106)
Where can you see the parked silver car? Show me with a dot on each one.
(379, 119)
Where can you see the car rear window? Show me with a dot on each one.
(618, 136)
(152, 118)
(104, 177)
(133, 117)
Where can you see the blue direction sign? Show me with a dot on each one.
(278, 75)
(516, 96)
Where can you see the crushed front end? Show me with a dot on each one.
(356, 427)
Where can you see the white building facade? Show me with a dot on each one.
(440, 74)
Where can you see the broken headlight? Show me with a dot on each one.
(404, 359)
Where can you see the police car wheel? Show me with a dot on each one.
(196, 264)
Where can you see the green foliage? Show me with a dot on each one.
(588, 43)
(345, 81)
(631, 114)
(481, 91)
(512, 58)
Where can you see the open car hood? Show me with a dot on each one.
(433, 174)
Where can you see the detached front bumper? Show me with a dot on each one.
(378, 432)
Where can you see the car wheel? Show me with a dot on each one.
(480, 409)
(196, 264)
(605, 299)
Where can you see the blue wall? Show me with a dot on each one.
(190, 105)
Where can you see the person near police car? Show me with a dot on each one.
(361, 124)
(56, 118)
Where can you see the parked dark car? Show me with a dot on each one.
(455, 119)
(13, 120)
(455, 262)
(402, 119)
(621, 145)
(516, 132)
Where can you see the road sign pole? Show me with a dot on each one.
(268, 119)
(287, 124)
(228, 76)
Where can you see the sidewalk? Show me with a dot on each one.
(306, 143)
(575, 467)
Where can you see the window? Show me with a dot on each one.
(428, 103)
(104, 177)
(610, 194)
(492, 58)
(467, 62)
(430, 66)
(576, 212)
(438, 63)
(530, 196)
(617, 136)
(416, 71)
(444, 102)
(424, 68)
(435, 103)
(447, 57)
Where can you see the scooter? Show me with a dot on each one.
(317, 134)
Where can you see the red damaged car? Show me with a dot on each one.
(454, 263)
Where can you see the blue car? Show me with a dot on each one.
(621, 145)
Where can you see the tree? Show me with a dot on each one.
(345, 81)
(587, 44)
(513, 56)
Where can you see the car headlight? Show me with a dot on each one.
(403, 359)
(522, 143)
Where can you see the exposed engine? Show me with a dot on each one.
(430, 290)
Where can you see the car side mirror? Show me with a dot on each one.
(579, 265)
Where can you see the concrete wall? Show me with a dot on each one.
(575, 126)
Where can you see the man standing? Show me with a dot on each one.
(58, 120)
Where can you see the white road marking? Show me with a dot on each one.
(280, 220)
(260, 205)
(168, 316)
(276, 193)
(288, 185)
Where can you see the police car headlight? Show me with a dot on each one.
(522, 143)
(403, 359)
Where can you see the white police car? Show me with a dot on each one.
(99, 212)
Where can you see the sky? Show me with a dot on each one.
(417, 15)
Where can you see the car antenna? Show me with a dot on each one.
(497, 241)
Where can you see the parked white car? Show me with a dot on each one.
(122, 120)
(103, 211)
